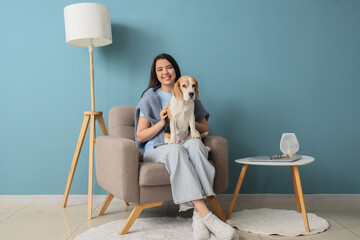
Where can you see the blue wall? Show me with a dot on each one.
(264, 67)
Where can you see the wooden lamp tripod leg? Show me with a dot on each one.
(75, 158)
(89, 117)
(102, 125)
(91, 164)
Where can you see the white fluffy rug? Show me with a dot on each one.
(261, 221)
(145, 229)
(274, 221)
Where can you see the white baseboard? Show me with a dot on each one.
(82, 199)
(271, 197)
(52, 199)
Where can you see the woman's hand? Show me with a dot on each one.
(202, 126)
(163, 115)
(145, 132)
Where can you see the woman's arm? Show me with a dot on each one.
(144, 132)
(202, 126)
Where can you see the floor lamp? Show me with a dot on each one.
(87, 25)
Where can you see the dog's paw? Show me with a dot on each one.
(208, 149)
(167, 140)
(205, 134)
(172, 141)
(195, 134)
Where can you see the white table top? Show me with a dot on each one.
(303, 161)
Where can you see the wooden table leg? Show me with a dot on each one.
(237, 189)
(296, 192)
(295, 169)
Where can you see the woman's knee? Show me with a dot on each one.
(177, 155)
(194, 142)
(177, 148)
(195, 145)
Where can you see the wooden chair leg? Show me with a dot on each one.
(215, 205)
(237, 189)
(135, 213)
(296, 192)
(106, 203)
(301, 197)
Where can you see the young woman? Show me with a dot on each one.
(191, 174)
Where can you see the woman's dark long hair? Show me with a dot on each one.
(153, 81)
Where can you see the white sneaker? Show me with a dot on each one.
(200, 231)
(219, 228)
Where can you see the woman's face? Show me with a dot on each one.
(165, 72)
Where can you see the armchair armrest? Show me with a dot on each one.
(117, 167)
(219, 155)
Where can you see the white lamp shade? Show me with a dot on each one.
(87, 24)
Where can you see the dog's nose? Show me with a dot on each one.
(191, 94)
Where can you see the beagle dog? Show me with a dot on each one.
(181, 112)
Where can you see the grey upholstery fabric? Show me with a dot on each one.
(121, 122)
(117, 167)
(120, 173)
(155, 194)
(219, 157)
(153, 174)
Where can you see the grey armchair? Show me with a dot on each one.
(120, 171)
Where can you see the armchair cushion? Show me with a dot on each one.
(153, 174)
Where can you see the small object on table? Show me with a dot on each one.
(275, 158)
(289, 144)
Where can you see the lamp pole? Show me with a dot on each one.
(91, 49)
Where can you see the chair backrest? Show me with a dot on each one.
(122, 122)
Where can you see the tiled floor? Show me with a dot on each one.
(51, 222)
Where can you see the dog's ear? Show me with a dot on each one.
(177, 90)
(197, 89)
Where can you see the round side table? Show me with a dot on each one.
(300, 203)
